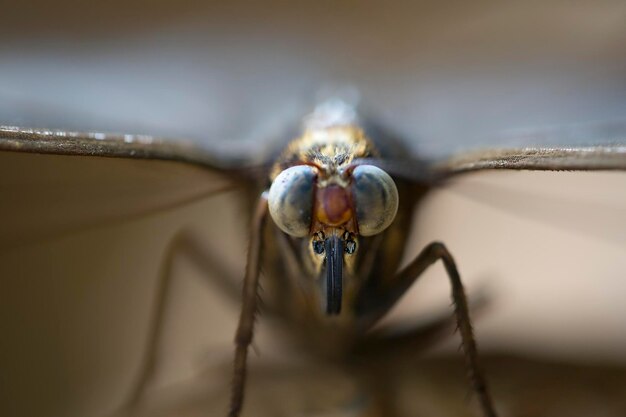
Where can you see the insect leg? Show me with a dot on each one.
(186, 244)
(430, 254)
(245, 329)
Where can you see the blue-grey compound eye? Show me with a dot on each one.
(290, 200)
(375, 198)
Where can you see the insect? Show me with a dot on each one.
(329, 230)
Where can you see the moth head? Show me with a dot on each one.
(332, 209)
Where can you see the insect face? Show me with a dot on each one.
(331, 206)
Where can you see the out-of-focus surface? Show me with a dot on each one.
(446, 77)
(433, 387)
(547, 248)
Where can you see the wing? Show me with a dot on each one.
(574, 201)
(56, 182)
(549, 244)
(227, 158)
(85, 221)
(607, 153)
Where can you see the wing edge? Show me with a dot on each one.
(585, 158)
(113, 145)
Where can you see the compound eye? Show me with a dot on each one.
(290, 200)
(375, 199)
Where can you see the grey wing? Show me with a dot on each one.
(85, 223)
(550, 243)
(58, 183)
(572, 198)
(548, 150)
(224, 156)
